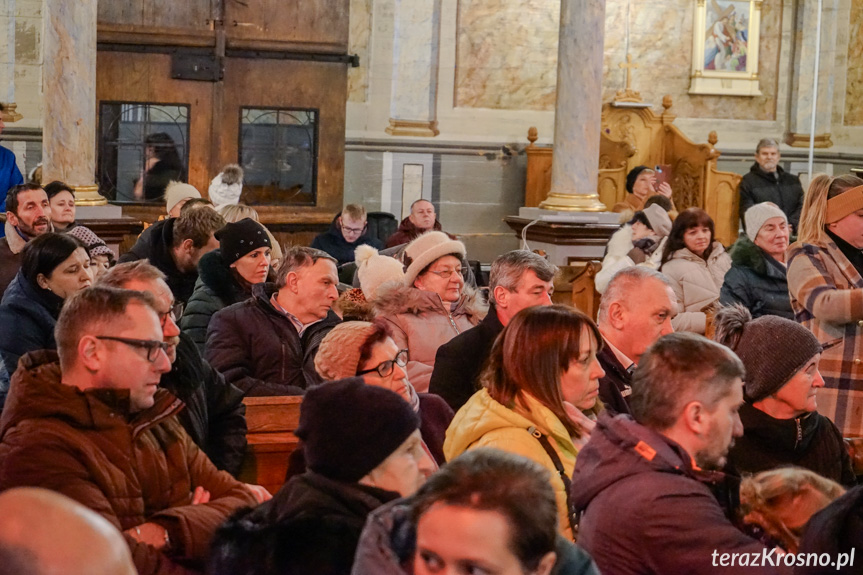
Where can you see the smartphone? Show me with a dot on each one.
(663, 174)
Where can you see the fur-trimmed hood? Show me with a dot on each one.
(394, 299)
(744, 253)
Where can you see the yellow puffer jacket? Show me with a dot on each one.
(483, 422)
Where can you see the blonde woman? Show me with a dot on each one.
(825, 281)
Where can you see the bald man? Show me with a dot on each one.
(46, 533)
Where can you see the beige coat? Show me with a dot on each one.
(421, 322)
(696, 284)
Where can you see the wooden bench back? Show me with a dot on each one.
(271, 424)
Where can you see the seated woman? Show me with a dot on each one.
(641, 185)
(53, 267)
(446, 526)
(757, 278)
(363, 449)
(359, 348)
(61, 198)
(696, 266)
(541, 378)
(638, 242)
(779, 503)
(236, 212)
(226, 276)
(781, 426)
(101, 256)
(433, 305)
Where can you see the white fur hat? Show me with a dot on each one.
(374, 270)
(227, 186)
(758, 214)
(176, 192)
(425, 249)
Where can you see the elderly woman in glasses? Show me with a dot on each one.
(432, 305)
(359, 348)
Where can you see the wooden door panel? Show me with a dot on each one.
(190, 14)
(322, 24)
(133, 77)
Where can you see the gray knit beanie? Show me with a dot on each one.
(773, 349)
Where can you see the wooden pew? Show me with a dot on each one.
(271, 422)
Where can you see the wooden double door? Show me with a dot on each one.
(228, 64)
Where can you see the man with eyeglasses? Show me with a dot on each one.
(96, 426)
(215, 415)
(348, 231)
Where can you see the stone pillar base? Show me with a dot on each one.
(422, 128)
(88, 196)
(802, 140)
(573, 203)
(10, 113)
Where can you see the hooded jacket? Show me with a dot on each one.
(421, 322)
(216, 288)
(483, 422)
(617, 256)
(334, 243)
(646, 510)
(156, 245)
(407, 232)
(27, 319)
(783, 189)
(311, 526)
(756, 281)
(696, 284)
(811, 441)
(215, 416)
(131, 468)
(259, 350)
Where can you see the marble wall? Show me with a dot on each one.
(507, 56)
(854, 81)
(359, 42)
(28, 62)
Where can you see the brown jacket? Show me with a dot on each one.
(421, 323)
(130, 468)
(10, 256)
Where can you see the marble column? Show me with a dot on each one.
(416, 41)
(802, 85)
(69, 86)
(578, 111)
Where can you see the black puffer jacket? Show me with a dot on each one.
(811, 441)
(215, 289)
(757, 281)
(215, 416)
(783, 189)
(312, 525)
(155, 245)
(259, 350)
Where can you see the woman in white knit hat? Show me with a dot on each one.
(432, 305)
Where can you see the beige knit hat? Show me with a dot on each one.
(339, 353)
(755, 217)
(374, 270)
(427, 248)
(177, 192)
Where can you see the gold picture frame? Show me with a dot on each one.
(725, 47)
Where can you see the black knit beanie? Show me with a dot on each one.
(348, 427)
(632, 176)
(239, 238)
(773, 349)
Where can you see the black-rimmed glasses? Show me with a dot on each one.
(446, 274)
(152, 346)
(174, 313)
(385, 368)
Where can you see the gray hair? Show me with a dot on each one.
(121, 274)
(766, 143)
(507, 270)
(297, 257)
(624, 285)
(676, 370)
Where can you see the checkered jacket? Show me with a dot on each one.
(827, 297)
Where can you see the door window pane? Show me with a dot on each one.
(279, 154)
(142, 146)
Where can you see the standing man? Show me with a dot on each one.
(650, 503)
(768, 182)
(635, 311)
(97, 428)
(421, 219)
(518, 279)
(28, 214)
(267, 344)
(10, 175)
(348, 231)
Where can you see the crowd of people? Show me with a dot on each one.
(445, 426)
